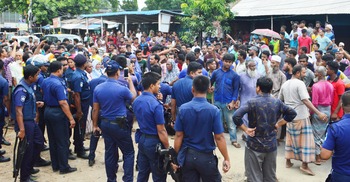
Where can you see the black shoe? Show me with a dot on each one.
(91, 162)
(42, 162)
(4, 159)
(2, 152)
(45, 148)
(83, 155)
(5, 142)
(34, 171)
(28, 180)
(69, 170)
(86, 148)
(71, 156)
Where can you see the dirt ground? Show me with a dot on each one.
(97, 172)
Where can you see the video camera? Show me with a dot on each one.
(169, 156)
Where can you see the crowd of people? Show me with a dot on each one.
(276, 90)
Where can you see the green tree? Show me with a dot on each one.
(45, 10)
(130, 5)
(114, 4)
(200, 17)
(163, 4)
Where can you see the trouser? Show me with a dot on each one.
(2, 124)
(35, 144)
(42, 121)
(337, 177)
(80, 127)
(226, 115)
(57, 130)
(116, 137)
(200, 166)
(93, 142)
(260, 167)
(147, 160)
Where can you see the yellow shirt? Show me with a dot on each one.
(96, 57)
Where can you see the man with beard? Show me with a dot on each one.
(289, 63)
(247, 87)
(309, 77)
(300, 143)
(277, 76)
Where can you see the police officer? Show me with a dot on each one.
(94, 138)
(41, 62)
(24, 111)
(194, 141)
(109, 99)
(57, 114)
(82, 95)
(150, 116)
(4, 101)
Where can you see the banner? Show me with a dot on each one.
(56, 22)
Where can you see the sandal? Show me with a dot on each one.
(235, 144)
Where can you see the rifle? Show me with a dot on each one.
(17, 162)
(170, 156)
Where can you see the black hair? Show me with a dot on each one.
(121, 60)
(156, 57)
(201, 84)
(156, 69)
(55, 66)
(181, 57)
(345, 98)
(190, 57)
(304, 49)
(292, 51)
(46, 47)
(155, 49)
(30, 70)
(1, 64)
(60, 47)
(137, 51)
(291, 61)
(26, 56)
(62, 58)
(197, 50)
(267, 53)
(228, 57)
(319, 51)
(193, 67)
(265, 84)
(303, 56)
(327, 58)
(297, 69)
(65, 39)
(243, 54)
(209, 61)
(333, 65)
(149, 79)
(318, 45)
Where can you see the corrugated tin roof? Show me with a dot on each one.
(246, 8)
(122, 13)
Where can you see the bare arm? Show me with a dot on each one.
(311, 106)
(19, 119)
(7, 104)
(221, 143)
(163, 135)
(173, 109)
(325, 154)
(179, 135)
(95, 111)
(132, 87)
(65, 108)
(14, 50)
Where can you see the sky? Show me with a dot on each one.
(141, 4)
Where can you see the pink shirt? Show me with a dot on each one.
(322, 93)
(304, 42)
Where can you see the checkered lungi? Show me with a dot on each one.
(300, 143)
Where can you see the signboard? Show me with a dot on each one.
(56, 22)
(164, 22)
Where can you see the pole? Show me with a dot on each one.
(126, 25)
(271, 22)
(87, 25)
(30, 16)
(326, 18)
(101, 27)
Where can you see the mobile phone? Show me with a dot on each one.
(126, 72)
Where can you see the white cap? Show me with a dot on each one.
(276, 58)
(329, 26)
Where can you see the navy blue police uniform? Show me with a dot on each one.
(4, 89)
(94, 139)
(111, 97)
(39, 97)
(24, 96)
(149, 113)
(80, 84)
(55, 90)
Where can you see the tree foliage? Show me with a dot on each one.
(163, 4)
(45, 10)
(201, 14)
(130, 5)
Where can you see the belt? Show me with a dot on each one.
(150, 136)
(54, 106)
(119, 120)
(190, 150)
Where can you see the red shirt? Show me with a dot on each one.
(339, 89)
(304, 42)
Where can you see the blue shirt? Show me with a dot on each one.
(263, 113)
(294, 43)
(112, 97)
(80, 84)
(182, 91)
(337, 140)
(94, 82)
(37, 86)
(226, 85)
(183, 73)
(68, 74)
(165, 89)
(54, 90)
(149, 113)
(4, 90)
(198, 113)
